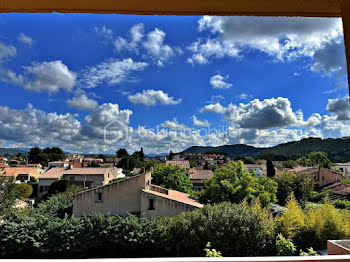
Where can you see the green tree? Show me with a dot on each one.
(102, 156)
(300, 184)
(59, 186)
(319, 158)
(172, 177)
(193, 164)
(122, 153)
(270, 169)
(233, 182)
(289, 164)
(8, 195)
(24, 190)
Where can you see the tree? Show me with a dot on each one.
(299, 184)
(233, 182)
(59, 186)
(122, 153)
(139, 155)
(319, 158)
(24, 190)
(193, 164)
(289, 164)
(102, 156)
(270, 169)
(8, 195)
(172, 177)
(171, 155)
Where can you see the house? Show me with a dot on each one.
(63, 164)
(76, 157)
(90, 177)
(340, 191)
(35, 165)
(254, 168)
(135, 195)
(89, 160)
(4, 161)
(344, 168)
(179, 163)
(323, 176)
(21, 174)
(46, 179)
(198, 177)
(201, 159)
(114, 160)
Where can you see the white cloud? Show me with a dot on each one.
(49, 76)
(201, 123)
(282, 38)
(82, 102)
(6, 51)
(215, 108)
(105, 32)
(243, 96)
(155, 46)
(110, 72)
(25, 39)
(174, 125)
(204, 50)
(152, 97)
(218, 82)
(136, 33)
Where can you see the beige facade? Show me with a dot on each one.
(134, 195)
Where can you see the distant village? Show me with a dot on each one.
(120, 184)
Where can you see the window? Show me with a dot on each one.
(41, 189)
(46, 188)
(151, 204)
(98, 197)
(322, 178)
(72, 178)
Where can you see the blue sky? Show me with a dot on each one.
(94, 83)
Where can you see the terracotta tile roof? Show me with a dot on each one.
(306, 169)
(87, 171)
(251, 166)
(180, 163)
(201, 174)
(3, 165)
(15, 171)
(93, 159)
(53, 173)
(174, 195)
(339, 188)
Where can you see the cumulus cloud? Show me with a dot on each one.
(6, 51)
(269, 113)
(155, 46)
(282, 38)
(152, 97)
(174, 125)
(204, 50)
(340, 108)
(25, 39)
(218, 82)
(45, 76)
(82, 102)
(201, 123)
(110, 72)
(136, 33)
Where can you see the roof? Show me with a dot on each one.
(174, 195)
(251, 166)
(15, 171)
(3, 165)
(53, 173)
(3, 158)
(93, 159)
(201, 174)
(327, 8)
(58, 162)
(180, 163)
(339, 188)
(87, 171)
(306, 169)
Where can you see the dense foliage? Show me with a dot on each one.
(37, 156)
(234, 183)
(172, 177)
(301, 185)
(8, 195)
(24, 190)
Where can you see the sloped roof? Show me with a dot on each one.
(53, 173)
(15, 171)
(176, 196)
(201, 174)
(87, 171)
(180, 163)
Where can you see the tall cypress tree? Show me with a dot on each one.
(270, 169)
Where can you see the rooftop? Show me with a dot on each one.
(201, 174)
(53, 173)
(180, 163)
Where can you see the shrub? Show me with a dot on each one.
(341, 204)
(319, 197)
(284, 246)
(24, 190)
(234, 229)
(211, 252)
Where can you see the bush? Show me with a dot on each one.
(24, 190)
(341, 204)
(234, 229)
(284, 246)
(319, 197)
